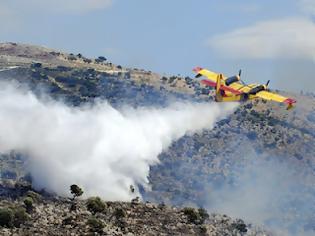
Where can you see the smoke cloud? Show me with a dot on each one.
(268, 192)
(102, 149)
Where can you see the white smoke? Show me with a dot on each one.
(269, 192)
(101, 149)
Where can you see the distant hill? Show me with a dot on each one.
(196, 168)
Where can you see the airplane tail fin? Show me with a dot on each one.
(290, 103)
(218, 95)
(290, 106)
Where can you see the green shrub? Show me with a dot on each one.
(196, 216)
(86, 60)
(172, 79)
(34, 196)
(161, 205)
(72, 57)
(20, 216)
(136, 200)
(76, 191)
(28, 202)
(203, 215)
(119, 213)
(73, 206)
(203, 230)
(240, 226)
(13, 217)
(95, 224)
(120, 220)
(164, 79)
(191, 214)
(6, 217)
(68, 220)
(95, 204)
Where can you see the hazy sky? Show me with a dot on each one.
(267, 39)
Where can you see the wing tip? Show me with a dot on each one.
(197, 69)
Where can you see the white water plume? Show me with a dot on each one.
(102, 149)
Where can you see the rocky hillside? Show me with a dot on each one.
(196, 169)
(29, 213)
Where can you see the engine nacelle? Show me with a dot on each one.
(257, 89)
(231, 80)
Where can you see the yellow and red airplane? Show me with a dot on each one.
(232, 88)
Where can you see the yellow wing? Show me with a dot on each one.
(244, 88)
(276, 97)
(212, 76)
(207, 73)
(271, 96)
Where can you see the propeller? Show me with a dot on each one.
(239, 75)
(267, 84)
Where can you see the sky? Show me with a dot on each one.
(266, 39)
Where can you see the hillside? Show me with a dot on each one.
(49, 215)
(261, 144)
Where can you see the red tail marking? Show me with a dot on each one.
(289, 101)
(197, 69)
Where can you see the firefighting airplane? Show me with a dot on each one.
(234, 89)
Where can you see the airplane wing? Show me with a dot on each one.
(242, 88)
(212, 80)
(234, 88)
(276, 97)
(212, 76)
